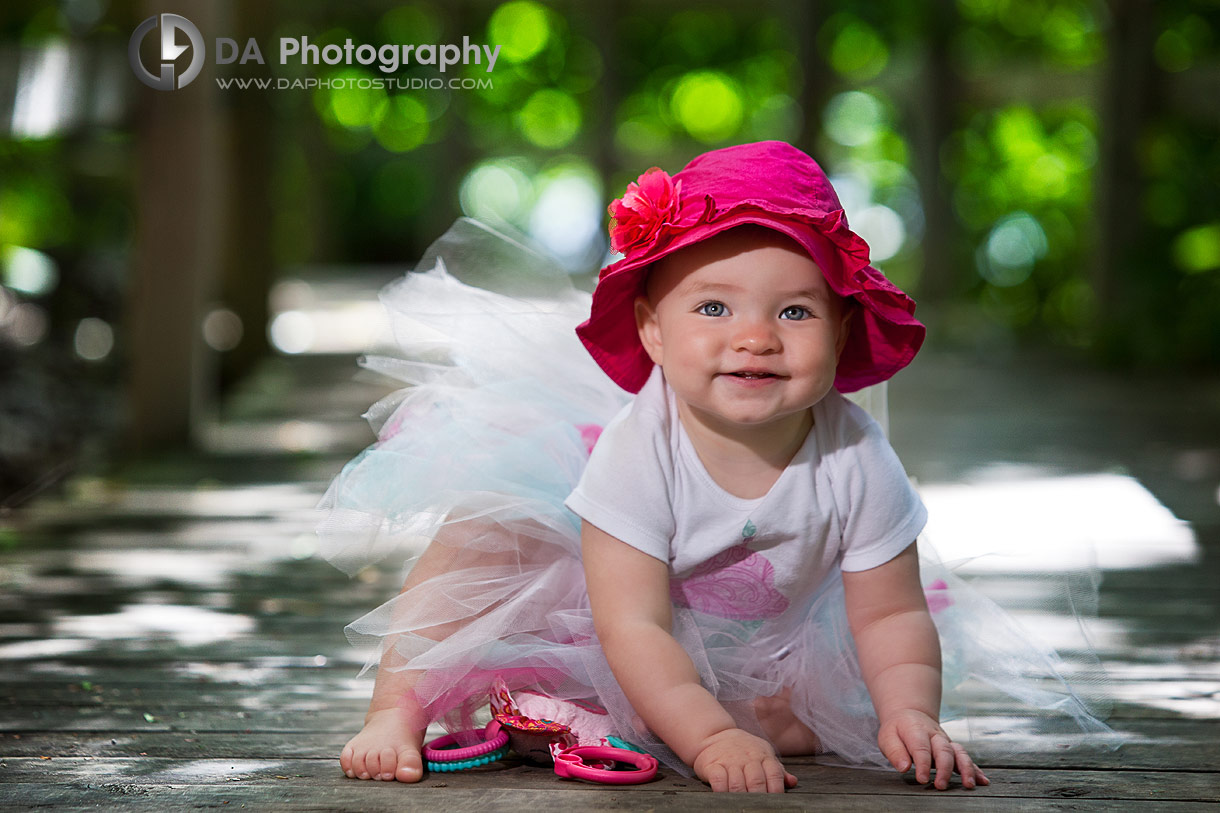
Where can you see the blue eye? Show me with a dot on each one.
(795, 312)
(713, 309)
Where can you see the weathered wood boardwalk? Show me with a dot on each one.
(169, 639)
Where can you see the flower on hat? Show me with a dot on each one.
(649, 204)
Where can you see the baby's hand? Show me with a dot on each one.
(912, 736)
(737, 761)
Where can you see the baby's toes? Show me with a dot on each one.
(360, 765)
(386, 763)
(410, 766)
(372, 763)
(345, 760)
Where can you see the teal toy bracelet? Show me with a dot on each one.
(619, 742)
(463, 764)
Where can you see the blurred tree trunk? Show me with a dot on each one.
(807, 19)
(248, 260)
(1126, 102)
(932, 115)
(602, 21)
(179, 202)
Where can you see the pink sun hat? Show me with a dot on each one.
(769, 184)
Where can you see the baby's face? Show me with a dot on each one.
(744, 326)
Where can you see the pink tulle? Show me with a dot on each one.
(937, 594)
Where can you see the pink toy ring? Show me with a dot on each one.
(568, 764)
(441, 749)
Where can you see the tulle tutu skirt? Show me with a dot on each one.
(465, 485)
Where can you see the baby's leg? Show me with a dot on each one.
(789, 735)
(388, 747)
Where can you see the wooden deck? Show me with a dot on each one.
(169, 640)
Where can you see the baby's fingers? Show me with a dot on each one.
(921, 755)
(946, 758)
(736, 779)
(755, 777)
(894, 750)
(971, 774)
(777, 777)
(717, 777)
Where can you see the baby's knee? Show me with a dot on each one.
(783, 727)
(776, 705)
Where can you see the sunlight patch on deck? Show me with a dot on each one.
(1199, 699)
(139, 567)
(1066, 633)
(189, 626)
(211, 770)
(1020, 522)
(46, 648)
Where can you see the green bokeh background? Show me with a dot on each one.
(1039, 195)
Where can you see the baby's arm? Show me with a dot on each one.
(629, 595)
(900, 656)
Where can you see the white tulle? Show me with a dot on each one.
(477, 454)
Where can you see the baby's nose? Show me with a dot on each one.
(755, 336)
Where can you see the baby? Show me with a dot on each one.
(743, 584)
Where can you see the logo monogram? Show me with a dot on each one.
(170, 51)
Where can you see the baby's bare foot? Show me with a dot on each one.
(386, 749)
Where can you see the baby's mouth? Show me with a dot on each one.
(753, 375)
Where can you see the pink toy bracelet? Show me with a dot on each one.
(568, 764)
(441, 750)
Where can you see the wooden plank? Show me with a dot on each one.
(813, 779)
(251, 671)
(165, 689)
(330, 604)
(340, 678)
(280, 605)
(135, 716)
(1181, 745)
(1164, 699)
(87, 583)
(71, 659)
(391, 797)
(286, 696)
(244, 522)
(1166, 643)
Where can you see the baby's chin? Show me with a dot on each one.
(751, 417)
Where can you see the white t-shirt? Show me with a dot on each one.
(844, 501)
